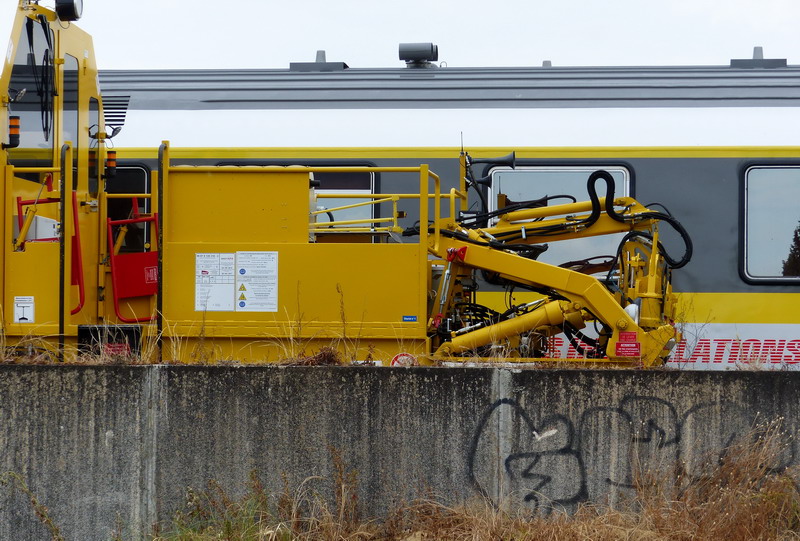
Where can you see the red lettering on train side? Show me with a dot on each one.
(772, 350)
(793, 349)
(554, 345)
(679, 355)
(702, 351)
(736, 351)
(750, 351)
(720, 346)
(572, 353)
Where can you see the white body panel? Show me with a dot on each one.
(419, 128)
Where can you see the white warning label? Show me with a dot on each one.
(257, 281)
(24, 310)
(241, 282)
(214, 282)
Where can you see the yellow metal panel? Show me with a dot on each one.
(33, 273)
(321, 292)
(237, 208)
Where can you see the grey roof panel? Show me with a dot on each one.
(402, 88)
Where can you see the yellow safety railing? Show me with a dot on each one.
(335, 226)
(425, 175)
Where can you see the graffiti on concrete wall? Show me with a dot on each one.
(558, 460)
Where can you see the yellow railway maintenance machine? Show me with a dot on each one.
(244, 263)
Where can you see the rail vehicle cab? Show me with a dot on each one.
(56, 264)
(81, 259)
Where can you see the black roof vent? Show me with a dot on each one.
(758, 61)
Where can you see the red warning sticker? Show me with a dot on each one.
(629, 336)
(151, 275)
(628, 349)
(117, 348)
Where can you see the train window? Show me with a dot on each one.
(529, 183)
(350, 185)
(772, 223)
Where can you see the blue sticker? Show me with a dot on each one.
(241, 304)
(409, 319)
(242, 271)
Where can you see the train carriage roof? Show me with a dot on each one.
(744, 84)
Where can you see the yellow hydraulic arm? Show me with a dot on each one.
(636, 311)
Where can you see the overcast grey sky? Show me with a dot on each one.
(269, 34)
(365, 33)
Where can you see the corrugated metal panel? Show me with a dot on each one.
(457, 88)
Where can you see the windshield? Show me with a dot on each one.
(31, 89)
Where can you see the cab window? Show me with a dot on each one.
(31, 91)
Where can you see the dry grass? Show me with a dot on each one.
(326, 356)
(296, 514)
(740, 495)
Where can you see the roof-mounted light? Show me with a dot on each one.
(419, 55)
(69, 10)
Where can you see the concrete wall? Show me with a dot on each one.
(101, 445)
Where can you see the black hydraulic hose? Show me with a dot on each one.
(518, 205)
(590, 187)
(574, 336)
(661, 216)
(666, 210)
(628, 236)
(667, 216)
(482, 219)
(687, 240)
(489, 244)
(610, 189)
(671, 263)
(559, 228)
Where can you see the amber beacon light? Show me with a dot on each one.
(13, 133)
